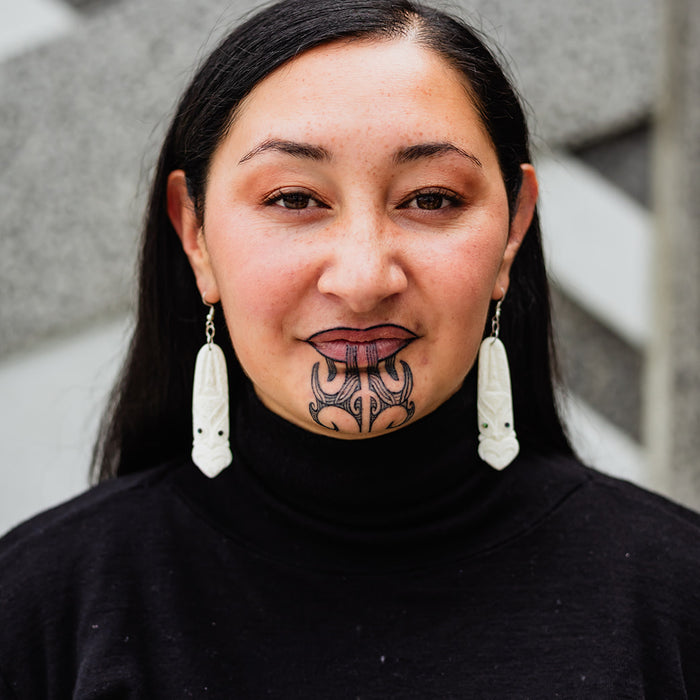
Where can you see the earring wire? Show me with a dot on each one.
(496, 320)
(209, 326)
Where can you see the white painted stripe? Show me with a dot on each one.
(50, 403)
(602, 445)
(598, 245)
(24, 24)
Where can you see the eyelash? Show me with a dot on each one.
(453, 199)
(278, 197)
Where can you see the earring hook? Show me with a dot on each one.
(209, 326)
(496, 320)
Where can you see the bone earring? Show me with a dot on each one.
(498, 445)
(210, 409)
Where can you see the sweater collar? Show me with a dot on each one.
(378, 482)
(404, 499)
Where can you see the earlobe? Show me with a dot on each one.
(184, 219)
(519, 225)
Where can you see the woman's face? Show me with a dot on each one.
(356, 226)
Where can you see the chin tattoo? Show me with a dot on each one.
(362, 399)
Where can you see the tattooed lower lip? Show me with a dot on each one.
(367, 353)
(361, 346)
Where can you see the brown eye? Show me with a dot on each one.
(430, 200)
(293, 200)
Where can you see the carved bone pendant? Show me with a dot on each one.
(210, 411)
(498, 445)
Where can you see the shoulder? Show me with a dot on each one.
(67, 570)
(90, 552)
(617, 501)
(80, 524)
(609, 499)
(603, 521)
(610, 536)
(617, 530)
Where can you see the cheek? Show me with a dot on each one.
(261, 285)
(462, 279)
(463, 273)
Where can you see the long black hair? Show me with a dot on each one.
(148, 420)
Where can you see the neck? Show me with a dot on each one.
(400, 500)
(360, 482)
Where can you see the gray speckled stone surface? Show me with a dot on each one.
(80, 120)
(91, 5)
(673, 408)
(586, 68)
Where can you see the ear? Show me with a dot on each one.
(188, 227)
(520, 223)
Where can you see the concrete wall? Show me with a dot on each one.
(673, 408)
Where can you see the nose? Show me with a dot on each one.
(364, 267)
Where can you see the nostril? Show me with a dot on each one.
(362, 287)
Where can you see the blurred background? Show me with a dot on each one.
(613, 89)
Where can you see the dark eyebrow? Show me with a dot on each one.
(428, 150)
(292, 148)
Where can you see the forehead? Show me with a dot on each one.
(395, 90)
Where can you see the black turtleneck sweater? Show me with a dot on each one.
(395, 567)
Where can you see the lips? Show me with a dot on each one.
(369, 346)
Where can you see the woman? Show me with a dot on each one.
(348, 184)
